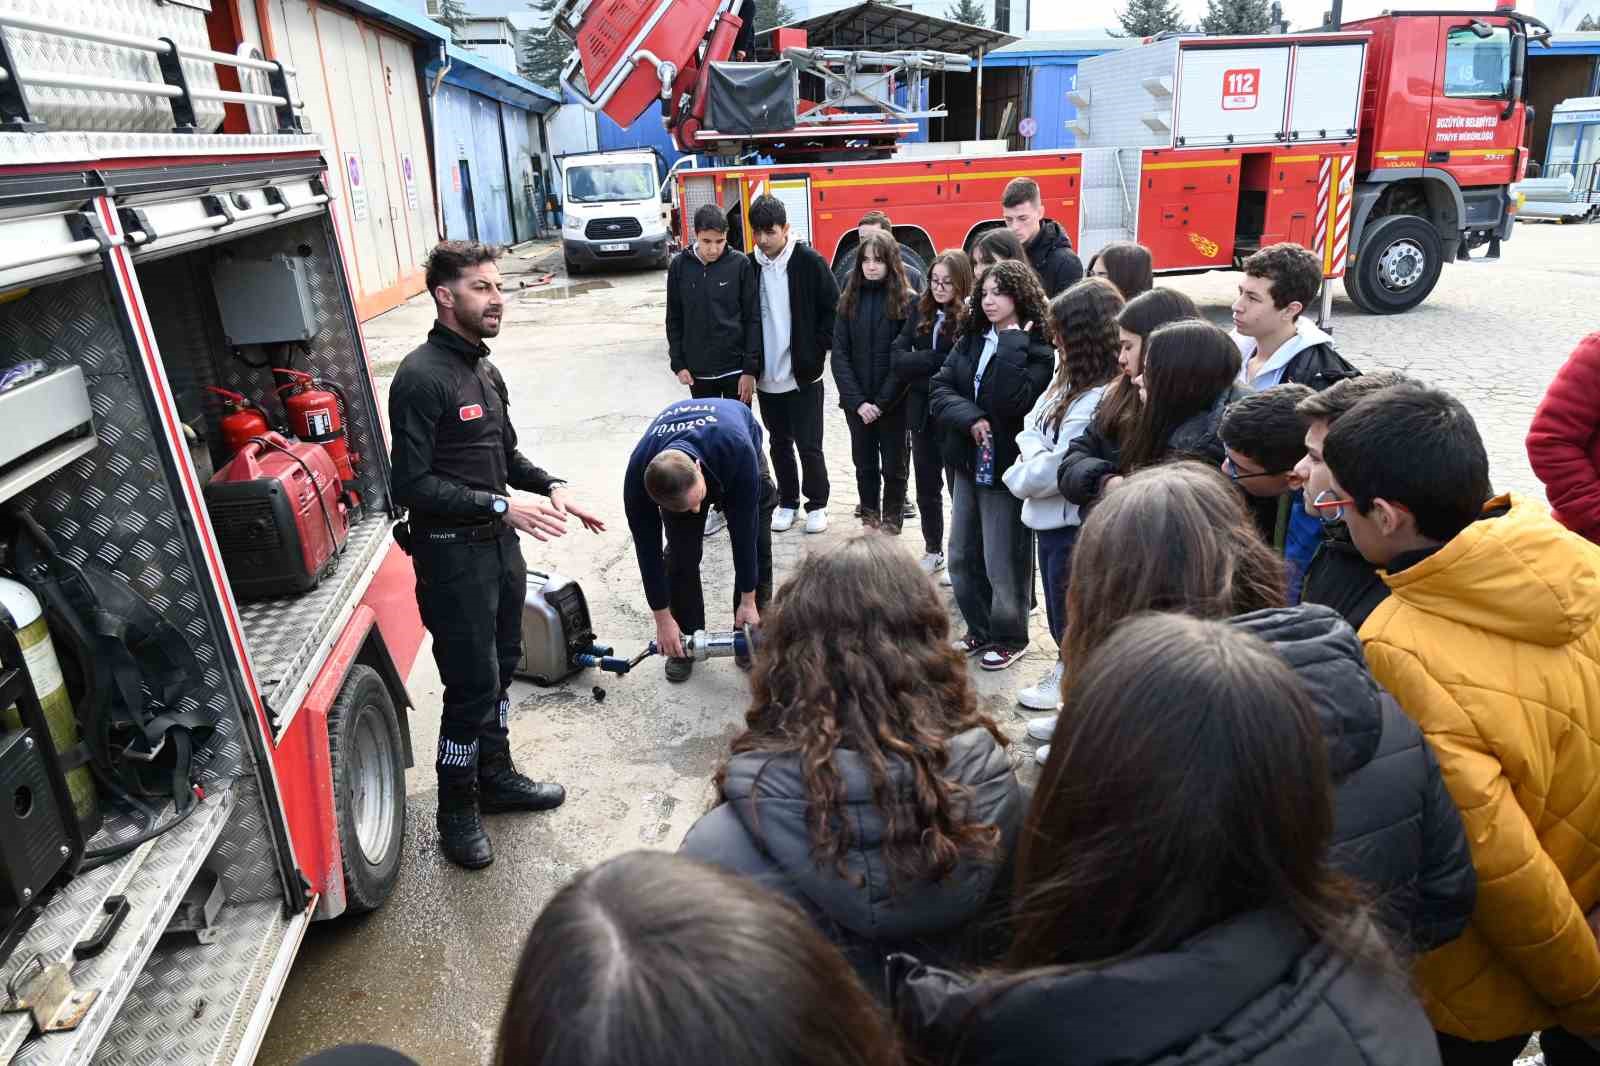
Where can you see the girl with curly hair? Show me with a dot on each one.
(873, 308)
(918, 353)
(1085, 321)
(866, 786)
(979, 399)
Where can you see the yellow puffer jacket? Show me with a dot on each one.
(1492, 646)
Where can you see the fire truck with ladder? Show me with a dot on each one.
(1388, 145)
(204, 623)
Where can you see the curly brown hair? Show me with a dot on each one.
(1018, 281)
(960, 268)
(1085, 321)
(856, 655)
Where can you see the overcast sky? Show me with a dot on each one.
(1302, 14)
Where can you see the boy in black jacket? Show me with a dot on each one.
(796, 296)
(713, 325)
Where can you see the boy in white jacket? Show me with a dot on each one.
(1085, 319)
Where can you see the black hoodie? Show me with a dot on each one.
(1395, 829)
(761, 831)
(713, 317)
(1052, 258)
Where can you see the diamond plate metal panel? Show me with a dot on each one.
(1118, 99)
(114, 505)
(192, 1002)
(283, 635)
(63, 147)
(153, 879)
(80, 109)
(1110, 197)
(244, 856)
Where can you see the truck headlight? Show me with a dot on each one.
(573, 223)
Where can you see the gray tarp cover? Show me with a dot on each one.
(751, 97)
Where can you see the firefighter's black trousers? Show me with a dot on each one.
(470, 594)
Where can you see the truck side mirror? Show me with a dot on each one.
(1519, 66)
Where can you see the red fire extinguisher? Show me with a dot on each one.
(315, 410)
(242, 421)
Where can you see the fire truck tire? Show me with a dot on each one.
(369, 788)
(1397, 267)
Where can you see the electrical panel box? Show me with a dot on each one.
(264, 301)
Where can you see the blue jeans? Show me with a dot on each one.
(1055, 566)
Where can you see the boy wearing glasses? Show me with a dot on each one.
(1490, 640)
(1263, 438)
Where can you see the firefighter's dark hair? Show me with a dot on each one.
(1415, 447)
(877, 218)
(654, 957)
(1295, 273)
(1266, 427)
(710, 217)
(767, 212)
(450, 259)
(1021, 191)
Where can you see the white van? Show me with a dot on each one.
(611, 210)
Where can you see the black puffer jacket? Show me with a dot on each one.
(1396, 828)
(760, 831)
(1016, 376)
(916, 357)
(1256, 989)
(861, 346)
(1339, 577)
(1052, 258)
(1093, 457)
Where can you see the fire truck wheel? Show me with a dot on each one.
(1397, 267)
(369, 794)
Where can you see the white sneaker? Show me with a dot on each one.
(816, 521)
(1043, 728)
(1045, 695)
(945, 579)
(783, 519)
(932, 562)
(716, 522)
(1042, 755)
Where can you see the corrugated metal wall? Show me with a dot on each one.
(522, 165)
(360, 86)
(1051, 108)
(474, 132)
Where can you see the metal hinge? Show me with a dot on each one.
(57, 1005)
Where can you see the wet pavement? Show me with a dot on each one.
(586, 366)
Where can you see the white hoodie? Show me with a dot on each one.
(1032, 478)
(1306, 335)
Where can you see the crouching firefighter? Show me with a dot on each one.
(455, 453)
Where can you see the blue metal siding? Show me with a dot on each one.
(469, 128)
(1051, 108)
(646, 132)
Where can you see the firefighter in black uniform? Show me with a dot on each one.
(455, 453)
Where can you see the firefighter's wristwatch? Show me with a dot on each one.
(500, 506)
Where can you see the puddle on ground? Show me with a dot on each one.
(565, 292)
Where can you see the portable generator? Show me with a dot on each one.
(557, 637)
(278, 517)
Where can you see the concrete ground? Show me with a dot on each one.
(585, 362)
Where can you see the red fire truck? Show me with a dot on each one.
(1388, 146)
(145, 262)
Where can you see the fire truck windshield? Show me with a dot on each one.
(603, 182)
(1478, 67)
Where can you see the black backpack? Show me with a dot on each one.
(127, 671)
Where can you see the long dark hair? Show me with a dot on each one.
(1085, 322)
(1174, 537)
(1141, 315)
(1127, 266)
(960, 268)
(1187, 366)
(897, 290)
(1018, 281)
(856, 655)
(653, 957)
(1187, 783)
(997, 246)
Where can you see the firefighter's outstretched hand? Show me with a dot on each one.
(562, 500)
(541, 521)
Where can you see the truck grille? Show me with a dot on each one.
(607, 229)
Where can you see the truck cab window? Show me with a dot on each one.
(1477, 68)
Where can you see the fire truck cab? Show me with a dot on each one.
(145, 258)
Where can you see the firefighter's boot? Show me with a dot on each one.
(461, 834)
(501, 788)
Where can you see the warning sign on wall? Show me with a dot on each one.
(358, 186)
(1241, 89)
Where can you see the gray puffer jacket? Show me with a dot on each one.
(760, 831)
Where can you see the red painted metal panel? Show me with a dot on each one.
(392, 597)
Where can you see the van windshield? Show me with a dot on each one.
(599, 182)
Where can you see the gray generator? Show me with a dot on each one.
(555, 629)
